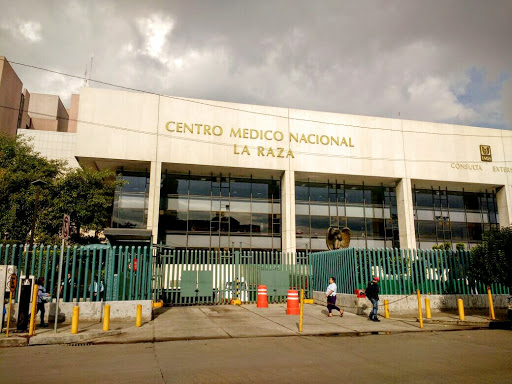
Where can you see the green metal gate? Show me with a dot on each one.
(215, 277)
(401, 271)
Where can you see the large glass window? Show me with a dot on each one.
(369, 211)
(453, 216)
(131, 200)
(219, 211)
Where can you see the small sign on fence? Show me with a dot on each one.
(13, 283)
(65, 227)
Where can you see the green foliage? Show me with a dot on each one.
(443, 247)
(491, 261)
(460, 246)
(86, 195)
(19, 167)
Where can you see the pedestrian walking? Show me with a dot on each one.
(372, 293)
(42, 298)
(330, 294)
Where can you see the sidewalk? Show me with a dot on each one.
(214, 322)
(226, 321)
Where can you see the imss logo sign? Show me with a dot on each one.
(485, 153)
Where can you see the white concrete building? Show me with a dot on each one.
(208, 174)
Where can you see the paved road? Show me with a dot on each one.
(440, 357)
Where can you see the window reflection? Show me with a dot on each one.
(453, 216)
(131, 200)
(360, 207)
(225, 209)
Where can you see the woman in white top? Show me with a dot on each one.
(331, 297)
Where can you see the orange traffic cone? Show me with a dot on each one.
(292, 303)
(262, 297)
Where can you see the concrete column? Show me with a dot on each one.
(504, 200)
(288, 212)
(154, 198)
(405, 214)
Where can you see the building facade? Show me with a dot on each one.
(215, 175)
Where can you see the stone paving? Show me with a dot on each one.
(226, 321)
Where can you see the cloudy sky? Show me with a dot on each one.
(445, 61)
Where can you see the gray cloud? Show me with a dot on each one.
(373, 58)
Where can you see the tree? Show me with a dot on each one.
(491, 261)
(19, 167)
(86, 195)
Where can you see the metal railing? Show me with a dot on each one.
(96, 272)
(186, 277)
(401, 271)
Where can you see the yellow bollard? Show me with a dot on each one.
(138, 319)
(460, 305)
(9, 315)
(301, 309)
(427, 308)
(420, 314)
(386, 309)
(74, 320)
(491, 304)
(32, 326)
(106, 317)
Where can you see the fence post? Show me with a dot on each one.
(74, 320)
(491, 304)
(32, 326)
(427, 308)
(386, 309)
(106, 317)
(420, 314)
(301, 309)
(73, 268)
(460, 305)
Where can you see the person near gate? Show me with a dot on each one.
(97, 294)
(70, 287)
(42, 298)
(372, 293)
(330, 294)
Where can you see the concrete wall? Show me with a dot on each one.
(73, 113)
(53, 145)
(45, 124)
(119, 128)
(10, 97)
(48, 113)
(26, 122)
(409, 304)
(119, 311)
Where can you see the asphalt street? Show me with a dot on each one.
(483, 356)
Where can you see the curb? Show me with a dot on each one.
(70, 339)
(13, 342)
(468, 327)
(482, 324)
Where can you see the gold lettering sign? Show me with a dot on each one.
(466, 166)
(485, 153)
(278, 150)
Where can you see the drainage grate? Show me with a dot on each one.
(79, 344)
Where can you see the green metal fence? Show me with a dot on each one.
(216, 277)
(96, 272)
(401, 271)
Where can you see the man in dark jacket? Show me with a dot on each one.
(372, 293)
